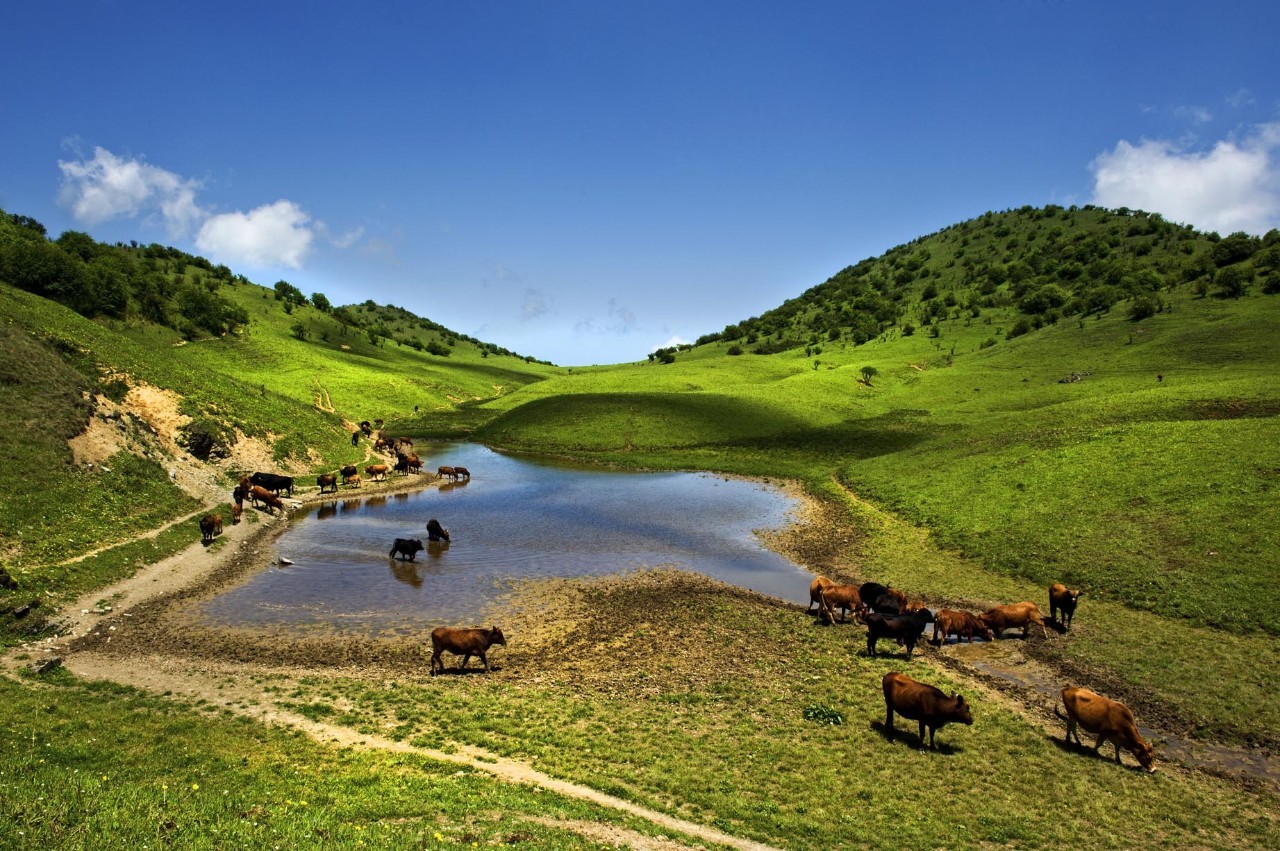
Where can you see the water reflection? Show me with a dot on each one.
(514, 518)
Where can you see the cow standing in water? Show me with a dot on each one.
(436, 532)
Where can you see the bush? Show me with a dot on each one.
(735, 350)
(1022, 326)
(206, 438)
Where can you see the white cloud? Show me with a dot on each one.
(107, 187)
(672, 342)
(276, 234)
(349, 238)
(1196, 114)
(1234, 186)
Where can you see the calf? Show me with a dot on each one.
(329, 481)
(436, 532)
(1062, 599)
(406, 548)
(1109, 720)
(906, 628)
(351, 481)
(1012, 616)
(217, 524)
(377, 472)
(463, 642)
(461, 473)
(445, 473)
(267, 498)
(842, 597)
(206, 529)
(236, 510)
(921, 702)
(948, 622)
(815, 591)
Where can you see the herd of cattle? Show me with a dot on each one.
(887, 613)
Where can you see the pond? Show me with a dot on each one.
(516, 518)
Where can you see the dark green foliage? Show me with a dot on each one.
(95, 279)
(1143, 307)
(321, 302)
(1232, 281)
(1235, 248)
(436, 348)
(289, 294)
(735, 350)
(1022, 326)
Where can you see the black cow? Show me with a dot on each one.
(436, 532)
(879, 598)
(273, 482)
(907, 628)
(406, 548)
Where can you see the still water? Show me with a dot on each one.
(516, 518)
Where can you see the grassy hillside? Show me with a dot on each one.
(1130, 454)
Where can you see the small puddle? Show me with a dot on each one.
(1004, 660)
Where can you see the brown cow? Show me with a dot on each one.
(461, 473)
(217, 524)
(377, 472)
(206, 529)
(352, 481)
(949, 622)
(1062, 599)
(259, 494)
(446, 472)
(815, 591)
(921, 702)
(842, 597)
(1109, 720)
(328, 480)
(463, 642)
(1012, 616)
(236, 510)
(414, 464)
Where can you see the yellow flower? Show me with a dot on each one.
(195, 786)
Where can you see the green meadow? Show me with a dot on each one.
(1036, 396)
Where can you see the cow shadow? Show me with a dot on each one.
(472, 668)
(1106, 754)
(907, 731)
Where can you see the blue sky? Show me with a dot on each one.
(587, 181)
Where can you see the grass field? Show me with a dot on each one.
(959, 464)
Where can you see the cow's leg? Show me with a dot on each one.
(465, 659)
(888, 718)
(922, 735)
(484, 661)
(871, 645)
(436, 661)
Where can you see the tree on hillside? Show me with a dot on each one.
(321, 302)
(868, 373)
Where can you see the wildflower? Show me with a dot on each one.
(195, 786)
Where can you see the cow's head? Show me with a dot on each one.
(496, 636)
(1146, 755)
(962, 709)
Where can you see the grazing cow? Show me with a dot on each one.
(921, 702)
(949, 622)
(207, 529)
(436, 532)
(328, 480)
(414, 464)
(355, 438)
(351, 481)
(273, 483)
(1062, 599)
(381, 443)
(236, 510)
(906, 628)
(366, 428)
(1012, 616)
(463, 642)
(377, 472)
(1109, 720)
(446, 473)
(461, 473)
(815, 591)
(406, 548)
(267, 498)
(842, 597)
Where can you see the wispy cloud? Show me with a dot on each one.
(1232, 186)
(535, 304)
(108, 186)
(1240, 98)
(1194, 114)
